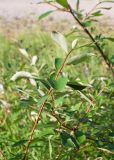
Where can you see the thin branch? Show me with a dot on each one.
(61, 123)
(51, 4)
(57, 117)
(88, 14)
(106, 151)
(60, 70)
(42, 109)
(92, 39)
(95, 7)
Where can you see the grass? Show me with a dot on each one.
(15, 117)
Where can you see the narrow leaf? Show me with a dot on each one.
(42, 100)
(86, 98)
(77, 5)
(60, 39)
(19, 143)
(58, 84)
(76, 85)
(96, 14)
(45, 83)
(109, 38)
(79, 58)
(45, 14)
(74, 43)
(58, 63)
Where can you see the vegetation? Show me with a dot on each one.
(56, 92)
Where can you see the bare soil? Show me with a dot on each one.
(17, 15)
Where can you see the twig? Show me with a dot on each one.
(61, 123)
(51, 4)
(95, 7)
(42, 108)
(92, 10)
(92, 39)
(106, 150)
(57, 117)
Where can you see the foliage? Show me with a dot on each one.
(67, 97)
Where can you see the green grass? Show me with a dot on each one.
(15, 118)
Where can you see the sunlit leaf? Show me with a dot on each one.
(58, 84)
(21, 74)
(58, 63)
(109, 38)
(42, 100)
(79, 58)
(87, 23)
(60, 39)
(86, 98)
(97, 13)
(74, 43)
(63, 3)
(45, 14)
(50, 147)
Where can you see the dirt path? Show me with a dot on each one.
(14, 16)
(22, 8)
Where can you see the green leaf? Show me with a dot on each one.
(45, 83)
(109, 1)
(19, 143)
(53, 75)
(76, 85)
(77, 5)
(42, 100)
(45, 132)
(60, 39)
(59, 101)
(80, 136)
(86, 98)
(68, 140)
(58, 63)
(45, 14)
(96, 14)
(63, 3)
(50, 147)
(74, 43)
(87, 23)
(106, 8)
(58, 84)
(79, 58)
(17, 157)
(109, 38)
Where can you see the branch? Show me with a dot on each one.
(92, 39)
(53, 5)
(58, 118)
(42, 109)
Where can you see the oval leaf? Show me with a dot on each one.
(60, 39)
(76, 85)
(79, 58)
(58, 84)
(58, 63)
(45, 14)
(63, 3)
